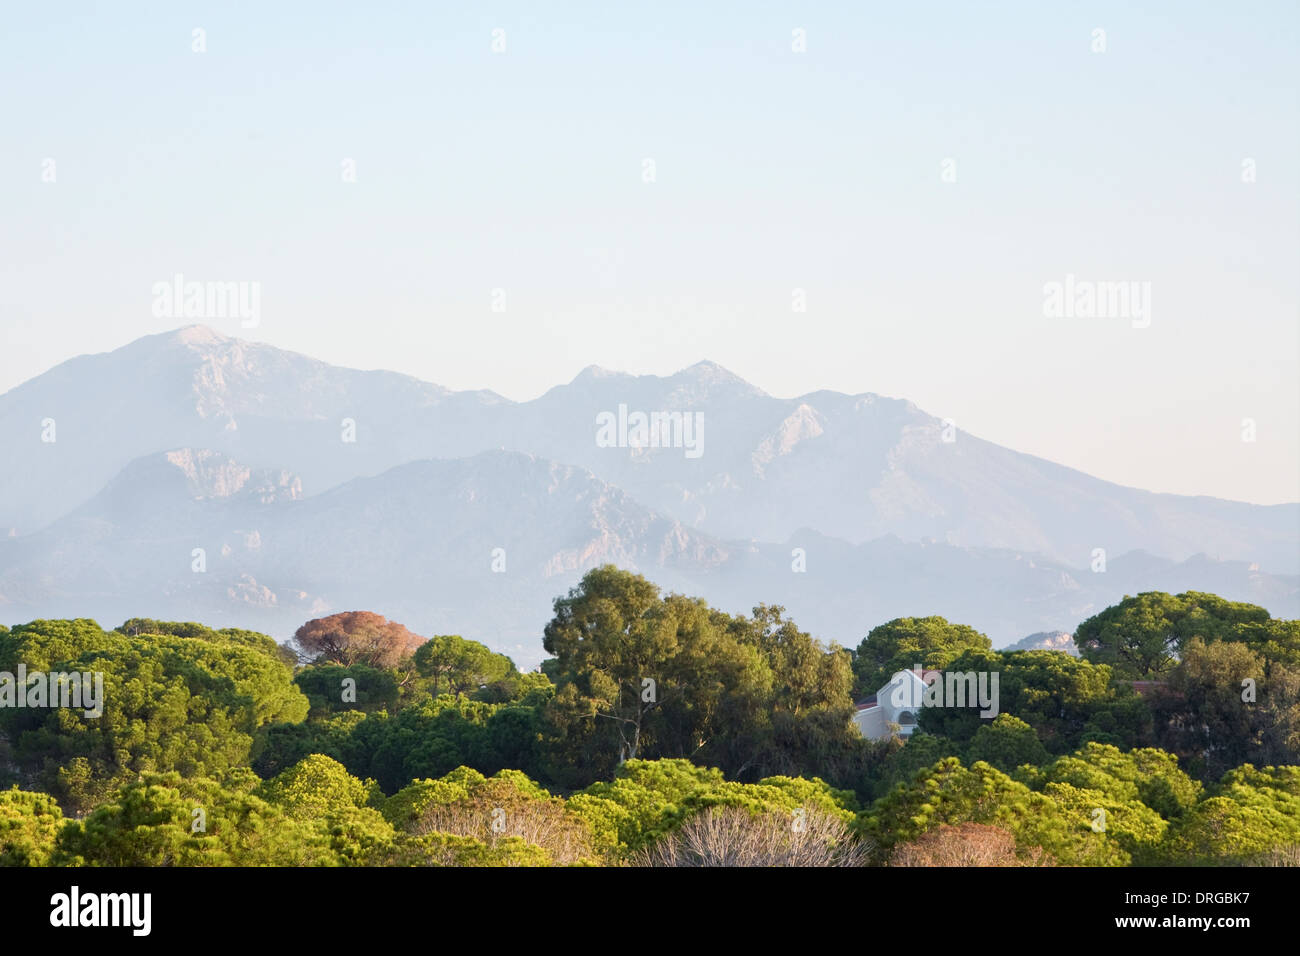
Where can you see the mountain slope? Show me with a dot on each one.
(196, 388)
(855, 467)
(482, 546)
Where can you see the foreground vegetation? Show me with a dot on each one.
(661, 732)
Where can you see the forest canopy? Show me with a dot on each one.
(660, 732)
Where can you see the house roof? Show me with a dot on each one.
(916, 673)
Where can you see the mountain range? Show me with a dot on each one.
(302, 488)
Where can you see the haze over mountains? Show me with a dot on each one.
(192, 439)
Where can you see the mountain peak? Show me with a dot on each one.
(707, 368)
(196, 335)
(702, 373)
(596, 372)
(148, 488)
(709, 375)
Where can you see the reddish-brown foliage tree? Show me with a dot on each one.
(356, 637)
(733, 836)
(968, 844)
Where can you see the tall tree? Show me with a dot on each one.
(638, 675)
(908, 641)
(1225, 706)
(356, 637)
(454, 665)
(1142, 637)
(618, 655)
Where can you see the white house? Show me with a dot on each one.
(898, 702)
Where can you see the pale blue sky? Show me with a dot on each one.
(775, 170)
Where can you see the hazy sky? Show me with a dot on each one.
(775, 170)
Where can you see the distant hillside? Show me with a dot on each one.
(1046, 641)
(481, 546)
